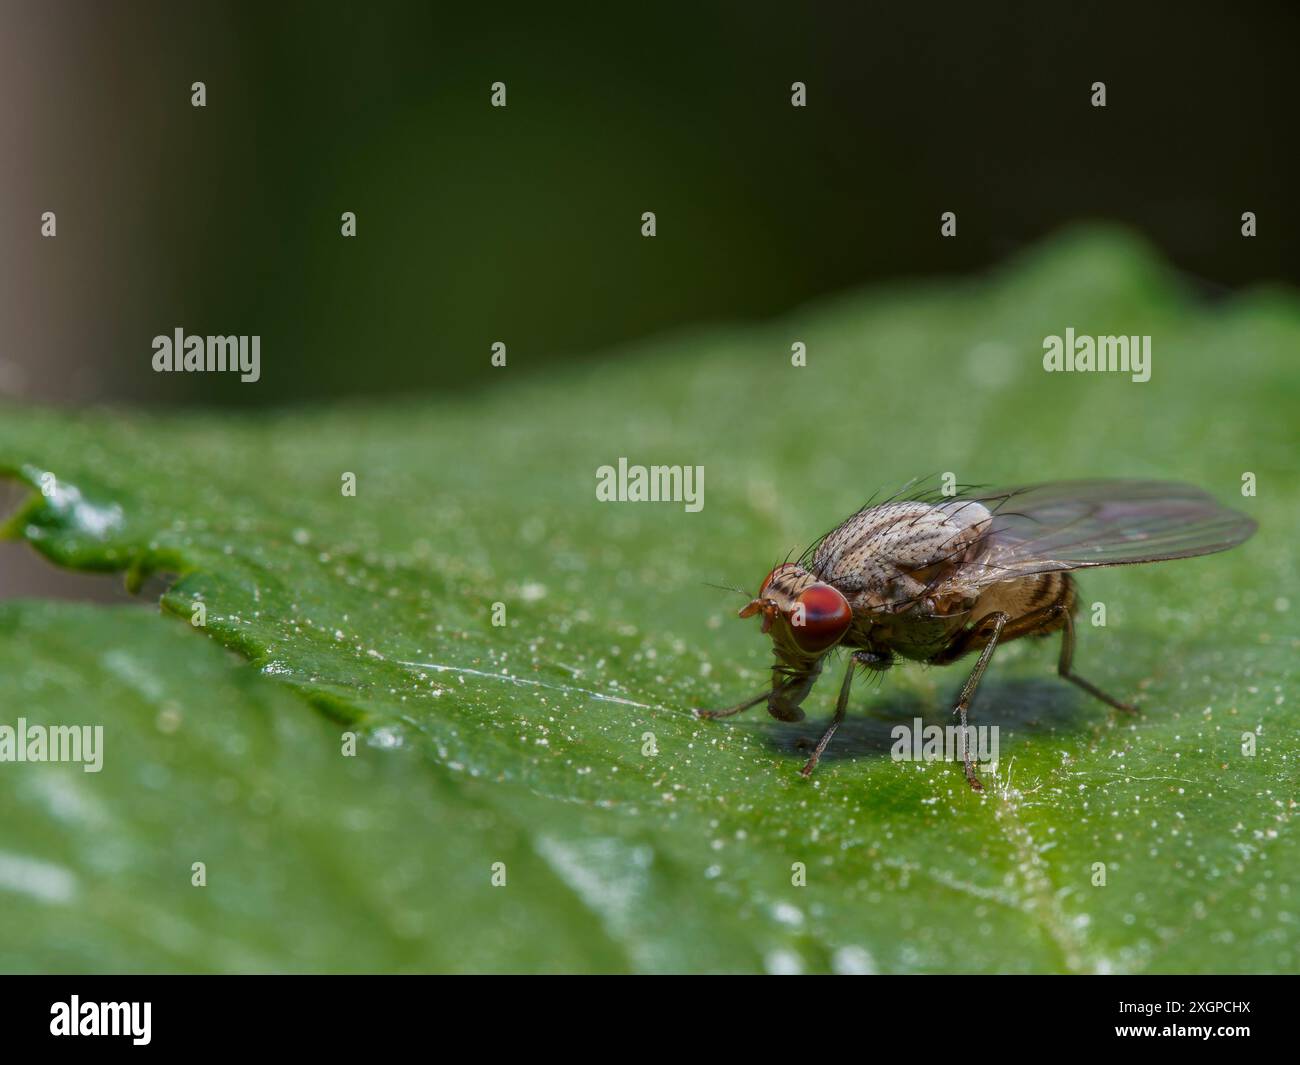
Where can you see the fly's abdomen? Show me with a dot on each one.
(1028, 595)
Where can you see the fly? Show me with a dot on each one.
(934, 578)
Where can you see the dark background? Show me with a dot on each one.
(523, 225)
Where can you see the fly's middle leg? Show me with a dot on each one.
(876, 661)
(993, 624)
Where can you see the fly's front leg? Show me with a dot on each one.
(713, 715)
(841, 709)
(778, 697)
(995, 622)
(786, 702)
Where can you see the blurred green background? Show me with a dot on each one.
(522, 225)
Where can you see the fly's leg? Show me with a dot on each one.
(1063, 669)
(841, 708)
(967, 640)
(786, 703)
(997, 621)
(766, 694)
(1042, 620)
(713, 715)
(876, 661)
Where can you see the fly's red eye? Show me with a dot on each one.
(820, 617)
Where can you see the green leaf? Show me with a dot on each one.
(312, 860)
(524, 743)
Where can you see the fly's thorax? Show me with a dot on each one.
(891, 556)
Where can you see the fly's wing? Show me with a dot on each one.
(1076, 524)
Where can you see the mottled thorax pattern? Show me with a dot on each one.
(885, 558)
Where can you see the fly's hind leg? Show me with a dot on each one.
(1043, 621)
(1064, 670)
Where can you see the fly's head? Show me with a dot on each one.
(804, 616)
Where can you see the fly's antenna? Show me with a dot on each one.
(728, 588)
